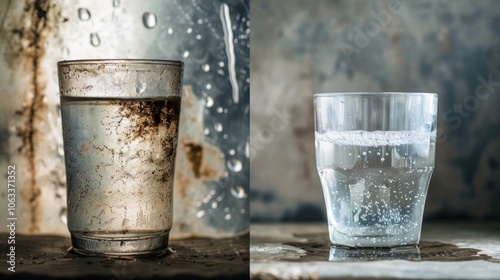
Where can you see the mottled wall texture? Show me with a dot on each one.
(443, 46)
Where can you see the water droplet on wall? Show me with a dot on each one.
(209, 102)
(238, 191)
(208, 86)
(218, 127)
(206, 131)
(94, 39)
(63, 215)
(189, 30)
(205, 67)
(83, 14)
(185, 54)
(227, 217)
(232, 152)
(220, 110)
(198, 37)
(170, 30)
(214, 205)
(149, 20)
(200, 214)
(234, 165)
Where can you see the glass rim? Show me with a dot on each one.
(374, 93)
(120, 61)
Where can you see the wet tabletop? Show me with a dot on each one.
(457, 250)
(47, 257)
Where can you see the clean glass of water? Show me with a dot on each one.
(120, 122)
(375, 157)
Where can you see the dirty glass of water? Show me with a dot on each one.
(120, 122)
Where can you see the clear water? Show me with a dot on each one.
(120, 157)
(375, 184)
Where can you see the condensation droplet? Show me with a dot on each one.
(205, 67)
(200, 214)
(200, 21)
(218, 127)
(63, 215)
(206, 131)
(149, 20)
(220, 110)
(185, 54)
(84, 14)
(60, 151)
(170, 30)
(214, 205)
(227, 217)
(189, 30)
(116, 3)
(382, 159)
(198, 37)
(208, 86)
(94, 39)
(247, 150)
(232, 152)
(234, 165)
(364, 153)
(225, 136)
(238, 191)
(221, 63)
(209, 102)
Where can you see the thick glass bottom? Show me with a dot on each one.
(120, 246)
(410, 237)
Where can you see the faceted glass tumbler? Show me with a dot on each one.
(375, 157)
(120, 124)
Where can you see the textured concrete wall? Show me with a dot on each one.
(303, 47)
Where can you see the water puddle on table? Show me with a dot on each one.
(320, 250)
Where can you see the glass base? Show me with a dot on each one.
(120, 247)
(411, 237)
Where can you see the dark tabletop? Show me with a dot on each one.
(47, 257)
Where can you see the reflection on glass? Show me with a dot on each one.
(338, 253)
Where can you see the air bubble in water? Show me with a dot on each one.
(234, 165)
(218, 127)
(209, 102)
(83, 14)
(238, 191)
(205, 67)
(94, 39)
(185, 54)
(149, 20)
(63, 215)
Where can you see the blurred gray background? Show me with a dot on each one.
(299, 48)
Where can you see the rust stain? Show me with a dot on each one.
(27, 49)
(194, 154)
